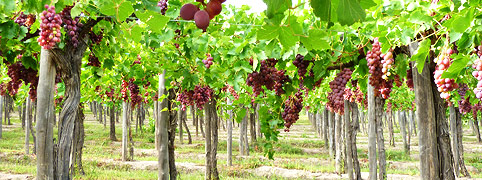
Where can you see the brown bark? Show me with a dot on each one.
(78, 143)
(112, 124)
(171, 105)
(382, 164)
(355, 127)
(184, 119)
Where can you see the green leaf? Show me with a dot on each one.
(107, 8)
(158, 22)
(459, 63)
(366, 4)
(241, 114)
(420, 17)
(461, 23)
(124, 10)
(276, 7)
(349, 12)
(319, 69)
(322, 9)
(287, 38)
(315, 40)
(76, 10)
(268, 32)
(421, 54)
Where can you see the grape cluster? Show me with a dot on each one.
(389, 107)
(349, 95)
(58, 100)
(302, 66)
(18, 73)
(163, 5)
(93, 60)
(96, 38)
(478, 73)
(72, 26)
(269, 77)
(208, 61)
(25, 20)
(337, 86)
(476, 108)
(3, 89)
(110, 94)
(138, 61)
(124, 90)
(410, 78)
(202, 17)
(386, 88)
(199, 96)
(134, 92)
(444, 86)
(231, 90)
(387, 62)
(50, 28)
(374, 65)
(292, 107)
(146, 97)
(398, 80)
(464, 102)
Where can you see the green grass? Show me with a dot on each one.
(290, 154)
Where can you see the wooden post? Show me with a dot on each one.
(372, 133)
(230, 135)
(27, 125)
(124, 130)
(45, 114)
(348, 133)
(163, 153)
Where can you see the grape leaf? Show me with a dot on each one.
(124, 11)
(322, 9)
(268, 32)
(276, 7)
(421, 54)
(349, 12)
(459, 63)
(287, 38)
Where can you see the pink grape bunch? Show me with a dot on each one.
(199, 96)
(444, 85)
(208, 61)
(138, 61)
(387, 63)
(93, 60)
(464, 102)
(337, 86)
(163, 5)
(478, 73)
(302, 65)
(124, 90)
(71, 25)
(268, 76)
(409, 78)
(292, 108)
(134, 92)
(50, 28)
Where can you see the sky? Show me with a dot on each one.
(257, 6)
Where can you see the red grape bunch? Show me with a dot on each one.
(302, 65)
(200, 96)
(387, 62)
(208, 61)
(134, 92)
(72, 26)
(93, 60)
(25, 20)
(202, 17)
(374, 64)
(163, 5)
(231, 90)
(410, 78)
(478, 73)
(292, 107)
(267, 76)
(138, 61)
(386, 88)
(50, 28)
(444, 86)
(337, 86)
(18, 73)
(124, 90)
(464, 102)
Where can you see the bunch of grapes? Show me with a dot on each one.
(155, 97)
(269, 77)
(444, 86)
(110, 94)
(21, 19)
(231, 90)
(134, 92)
(146, 97)
(374, 65)
(464, 102)
(410, 78)
(478, 73)
(398, 80)
(3, 89)
(138, 61)
(199, 96)
(93, 60)
(389, 107)
(208, 61)
(359, 96)
(386, 88)
(18, 73)
(202, 17)
(302, 65)
(50, 28)
(387, 62)
(96, 39)
(349, 95)
(163, 5)
(72, 26)
(337, 86)
(292, 107)
(476, 108)
(124, 90)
